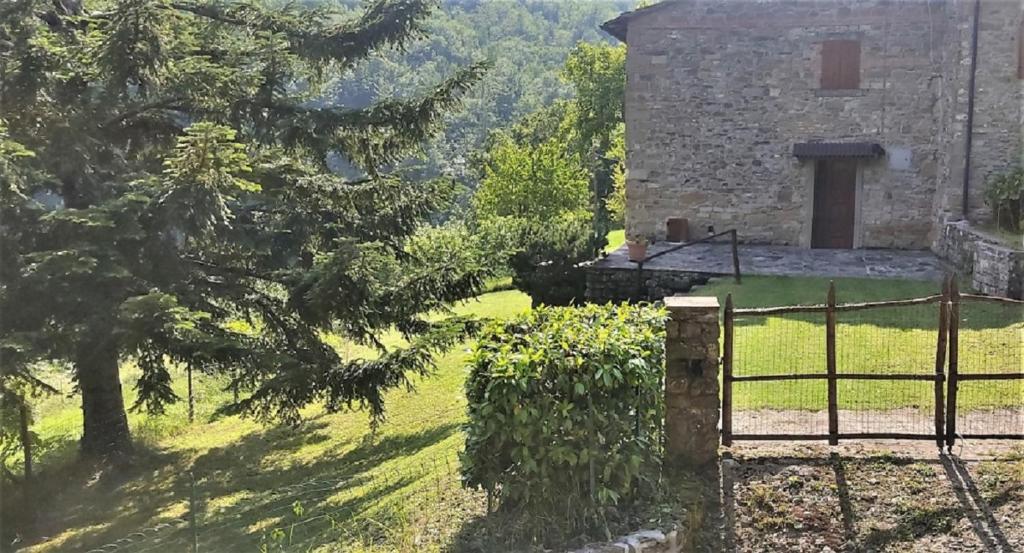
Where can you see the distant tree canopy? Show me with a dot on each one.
(526, 40)
(166, 197)
(545, 192)
(532, 182)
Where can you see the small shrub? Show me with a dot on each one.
(550, 265)
(546, 260)
(1005, 195)
(565, 413)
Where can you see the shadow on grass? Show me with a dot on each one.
(241, 497)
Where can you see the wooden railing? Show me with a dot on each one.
(945, 375)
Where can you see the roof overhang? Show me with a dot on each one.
(617, 27)
(818, 150)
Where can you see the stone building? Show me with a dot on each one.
(828, 123)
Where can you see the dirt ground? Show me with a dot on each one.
(905, 420)
(871, 496)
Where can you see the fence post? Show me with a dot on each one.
(28, 489)
(735, 256)
(691, 381)
(954, 355)
(191, 397)
(192, 513)
(727, 354)
(26, 439)
(830, 364)
(940, 364)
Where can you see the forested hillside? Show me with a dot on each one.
(527, 41)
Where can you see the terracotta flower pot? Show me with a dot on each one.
(637, 250)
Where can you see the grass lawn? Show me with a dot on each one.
(616, 239)
(880, 341)
(331, 485)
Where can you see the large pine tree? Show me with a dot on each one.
(167, 196)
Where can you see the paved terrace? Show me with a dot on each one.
(716, 258)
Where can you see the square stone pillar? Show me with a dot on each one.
(691, 381)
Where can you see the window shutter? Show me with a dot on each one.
(840, 64)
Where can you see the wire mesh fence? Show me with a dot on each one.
(887, 341)
(991, 348)
(875, 369)
(785, 344)
(380, 504)
(376, 503)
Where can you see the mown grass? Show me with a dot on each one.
(332, 485)
(890, 340)
(616, 239)
(244, 470)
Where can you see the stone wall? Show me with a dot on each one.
(691, 382)
(605, 284)
(718, 93)
(999, 100)
(994, 269)
(998, 138)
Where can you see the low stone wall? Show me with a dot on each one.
(606, 284)
(994, 269)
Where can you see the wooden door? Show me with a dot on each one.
(835, 200)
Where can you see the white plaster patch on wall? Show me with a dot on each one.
(900, 158)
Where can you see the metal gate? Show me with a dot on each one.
(875, 370)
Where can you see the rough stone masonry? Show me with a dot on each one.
(718, 93)
(691, 381)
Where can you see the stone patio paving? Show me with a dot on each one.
(716, 258)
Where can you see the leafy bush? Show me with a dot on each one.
(615, 203)
(1005, 195)
(548, 259)
(565, 412)
(533, 182)
(548, 262)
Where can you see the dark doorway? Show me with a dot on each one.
(835, 200)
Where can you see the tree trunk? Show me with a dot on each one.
(105, 431)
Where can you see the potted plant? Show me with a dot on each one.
(637, 248)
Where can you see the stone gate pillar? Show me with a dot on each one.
(691, 381)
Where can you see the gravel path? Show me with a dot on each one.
(905, 420)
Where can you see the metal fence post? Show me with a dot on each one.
(191, 396)
(193, 514)
(830, 364)
(727, 353)
(735, 256)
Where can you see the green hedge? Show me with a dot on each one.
(565, 411)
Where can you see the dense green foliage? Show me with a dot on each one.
(535, 183)
(615, 203)
(548, 180)
(565, 411)
(547, 259)
(167, 197)
(1005, 195)
(526, 40)
(598, 75)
